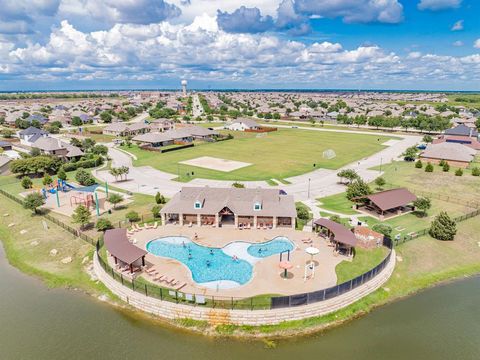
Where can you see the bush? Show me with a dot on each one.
(33, 201)
(61, 174)
(357, 189)
(443, 227)
(459, 172)
(89, 163)
(419, 164)
(47, 180)
(380, 182)
(302, 212)
(446, 167)
(103, 224)
(156, 211)
(429, 168)
(132, 216)
(115, 199)
(238, 185)
(384, 229)
(81, 215)
(442, 163)
(423, 204)
(26, 182)
(336, 219)
(84, 178)
(160, 199)
(476, 171)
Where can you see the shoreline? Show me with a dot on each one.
(286, 330)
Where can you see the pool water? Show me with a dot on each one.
(212, 265)
(272, 247)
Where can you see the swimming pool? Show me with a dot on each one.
(215, 267)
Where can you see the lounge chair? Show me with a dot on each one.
(146, 226)
(179, 286)
(190, 224)
(189, 297)
(172, 293)
(155, 225)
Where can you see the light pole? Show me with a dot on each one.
(309, 188)
(381, 161)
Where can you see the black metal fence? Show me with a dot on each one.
(334, 291)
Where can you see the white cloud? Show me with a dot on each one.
(458, 43)
(458, 26)
(477, 44)
(436, 5)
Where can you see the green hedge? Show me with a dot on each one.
(90, 163)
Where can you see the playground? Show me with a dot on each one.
(64, 197)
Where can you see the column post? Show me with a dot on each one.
(255, 221)
(180, 219)
(199, 218)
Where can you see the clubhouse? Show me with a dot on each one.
(236, 207)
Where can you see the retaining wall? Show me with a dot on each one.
(170, 310)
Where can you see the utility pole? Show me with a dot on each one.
(309, 188)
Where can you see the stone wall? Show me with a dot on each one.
(173, 311)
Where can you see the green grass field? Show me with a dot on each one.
(276, 155)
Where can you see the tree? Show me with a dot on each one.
(443, 227)
(429, 167)
(81, 215)
(476, 171)
(159, 198)
(115, 199)
(35, 151)
(410, 154)
(477, 124)
(348, 174)
(26, 182)
(33, 201)
(358, 189)
(423, 204)
(61, 174)
(427, 139)
(99, 150)
(106, 117)
(156, 211)
(459, 172)
(132, 216)
(103, 224)
(47, 180)
(302, 212)
(76, 121)
(84, 178)
(446, 167)
(380, 182)
(419, 164)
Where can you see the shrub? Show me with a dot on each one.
(84, 178)
(103, 224)
(302, 212)
(442, 163)
(459, 172)
(115, 199)
(132, 216)
(238, 185)
(81, 215)
(446, 167)
(384, 229)
(429, 168)
(443, 227)
(61, 174)
(89, 163)
(476, 171)
(423, 204)
(380, 182)
(33, 201)
(336, 219)
(156, 211)
(357, 189)
(47, 180)
(26, 182)
(160, 199)
(419, 164)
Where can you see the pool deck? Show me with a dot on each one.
(266, 273)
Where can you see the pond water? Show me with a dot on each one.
(38, 323)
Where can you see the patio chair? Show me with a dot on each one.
(189, 297)
(190, 224)
(172, 293)
(200, 299)
(155, 225)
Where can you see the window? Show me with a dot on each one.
(198, 205)
(257, 206)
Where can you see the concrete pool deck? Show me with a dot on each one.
(266, 277)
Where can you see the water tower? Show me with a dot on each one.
(184, 87)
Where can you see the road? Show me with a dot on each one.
(197, 108)
(306, 187)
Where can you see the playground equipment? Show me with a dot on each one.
(81, 199)
(285, 265)
(310, 267)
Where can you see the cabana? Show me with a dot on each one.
(387, 203)
(338, 234)
(118, 246)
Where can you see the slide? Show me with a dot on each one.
(69, 186)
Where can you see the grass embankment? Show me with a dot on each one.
(28, 245)
(268, 154)
(363, 261)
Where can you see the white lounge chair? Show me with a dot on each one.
(189, 297)
(155, 225)
(200, 299)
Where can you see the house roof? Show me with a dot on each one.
(462, 130)
(249, 122)
(32, 131)
(340, 233)
(47, 144)
(239, 200)
(393, 198)
(449, 151)
(117, 244)
(152, 137)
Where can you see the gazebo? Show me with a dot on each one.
(387, 203)
(118, 246)
(338, 234)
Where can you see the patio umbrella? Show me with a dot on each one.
(285, 265)
(312, 251)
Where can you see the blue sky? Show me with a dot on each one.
(367, 44)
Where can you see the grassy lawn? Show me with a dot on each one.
(337, 203)
(300, 223)
(276, 155)
(363, 261)
(30, 251)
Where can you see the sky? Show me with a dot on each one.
(240, 44)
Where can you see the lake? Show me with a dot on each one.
(40, 323)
